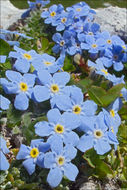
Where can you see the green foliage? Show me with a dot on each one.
(4, 47)
(102, 97)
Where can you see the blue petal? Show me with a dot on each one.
(54, 177)
(4, 103)
(61, 78)
(49, 160)
(3, 146)
(70, 152)
(85, 143)
(2, 58)
(56, 37)
(21, 102)
(77, 95)
(29, 165)
(29, 79)
(36, 142)
(70, 171)
(4, 165)
(71, 121)
(118, 66)
(24, 151)
(44, 77)
(54, 116)
(71, 138)
(13, 76)
(63, 102)
(40, 160)
(42, 128)
(102, 147)
(22, 65)
(41, 93)
(89, 107)
(44, 147)
(56, 143)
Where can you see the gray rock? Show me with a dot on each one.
(113, 19)
(90, 185)
(9, 14)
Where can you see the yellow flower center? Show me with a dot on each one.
(34, 152)
(77, 109)
(60, 160)
(78, 9)
(53, 13)
(16, 35)
(59, 128)
(124, 47)
(23, 87)
(112, 113)
(104, 71)
(109, 41)
(94, 45)
(112, 129)
(27, 56)
(63, 20)
(54, 88)
(98, 134)
(121, 95)
(47, 63)
(90, 33)
(62, 43)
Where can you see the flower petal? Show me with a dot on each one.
(21, 102)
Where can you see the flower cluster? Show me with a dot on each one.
(81, 33)
(74, 123)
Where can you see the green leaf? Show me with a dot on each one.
(102, 97)
(100, 167)
(13, 115)
(4, 48)
(68, 65)
(96, 93)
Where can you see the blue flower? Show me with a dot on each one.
(93, 45)
(33, 5)
(53, 86)
(4, 103)
(3, 58)
(114, 57)
(59, 126)
(4, 165)
(74, 47)
(79, 10)
(74, 104)
(96, 136)
(23, 59)
(51, 14)
(59, 162)
(33, 155)
(47, 62)
(124, 93)
(62, 21)
(62, 42)
(88, 29)
(113, 111)
(20, 85)
(100, 69)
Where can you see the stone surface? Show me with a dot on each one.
(90, 185)
(113, 19)
(9, 14)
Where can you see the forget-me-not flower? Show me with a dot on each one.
(58, 160)
(53, 86)
(23, 59)
(33, 154)
(20, 85)
(60, 126)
